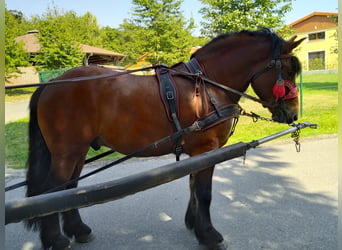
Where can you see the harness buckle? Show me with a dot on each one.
(271, 64)
(169, 95)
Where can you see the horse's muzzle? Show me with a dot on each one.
(284, 117)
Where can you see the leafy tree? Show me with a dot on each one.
(57, 50)
(110, 38)
(131, 41)
(224, 16)
(15, 55)
(83, 29)
(60, 35)
(158, 27)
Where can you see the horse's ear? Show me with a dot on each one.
(291, 40)
(291, 43)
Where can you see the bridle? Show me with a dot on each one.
(279, 90)
(281, 83)
(196, 71)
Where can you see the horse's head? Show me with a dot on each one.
(275, 84)
(258, 57)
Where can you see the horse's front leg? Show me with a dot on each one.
(198, 213)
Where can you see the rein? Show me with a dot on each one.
(83, 78)
(198, 74)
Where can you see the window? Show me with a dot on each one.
(317, 60)
(317, 36)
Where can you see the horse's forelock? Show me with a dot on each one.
(296, 66)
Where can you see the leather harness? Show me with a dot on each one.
(168, 93)
(169, 97)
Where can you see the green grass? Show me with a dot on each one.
(319, 82)
(12, 95)
(319, 78)
(16, 145)
(320, 107)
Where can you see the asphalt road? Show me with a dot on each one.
(277, 199)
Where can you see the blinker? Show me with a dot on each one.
(279, 89)
(293, 90)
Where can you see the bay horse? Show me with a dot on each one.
(125, 112)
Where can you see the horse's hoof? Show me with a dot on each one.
(85, 238)
(219, 246)
(61, 243)
(81, 233)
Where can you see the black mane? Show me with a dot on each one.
(261, 32)
(276, 44)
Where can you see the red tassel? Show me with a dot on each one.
(279, 89)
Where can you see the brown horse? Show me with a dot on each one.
(125, 112)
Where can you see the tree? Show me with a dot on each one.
(57, 50)
(15, 55)
(83, 29)
(58, 47)
(224, 16)
(131, 41)
(110, 38)
(159, 28)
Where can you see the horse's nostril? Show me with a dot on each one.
(295, 117)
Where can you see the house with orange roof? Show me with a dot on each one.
(319, 50)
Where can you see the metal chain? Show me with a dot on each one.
(295, 136)
(255, 116)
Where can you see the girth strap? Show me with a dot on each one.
(214, 118)
(168, 93)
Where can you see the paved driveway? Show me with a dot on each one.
(277, 199)
(16, 110)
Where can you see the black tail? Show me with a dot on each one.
(39, 157)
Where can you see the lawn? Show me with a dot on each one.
(319, 107)
(12, 95)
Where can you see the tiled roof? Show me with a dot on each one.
(91, 49)
(312, 15)
(31, 42)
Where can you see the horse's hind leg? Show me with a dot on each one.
(73, 226)
(50, 231)
(198, 212)
(61, 171)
